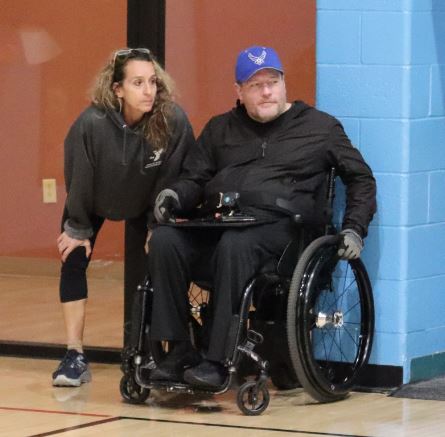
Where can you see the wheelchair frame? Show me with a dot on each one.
(329, 305)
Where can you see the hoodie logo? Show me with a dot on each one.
(258, 60)
(155, 159)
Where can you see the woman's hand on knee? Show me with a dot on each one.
(147, 241)
(66, 245)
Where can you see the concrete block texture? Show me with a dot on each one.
(338, 37)
(436, 197)
(388, 88)
(402, 199)
(437, 90)
(373, 91)
(381, 5)
(394, 38)
(425, 304)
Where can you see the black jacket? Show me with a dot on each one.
(111, 171)
(286, 158)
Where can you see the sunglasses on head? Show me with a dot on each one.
(126, 53)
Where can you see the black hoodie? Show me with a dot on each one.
(287, 158)
(111, 170)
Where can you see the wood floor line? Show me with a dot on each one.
(109, 418)
(35, 410)
(253, 428)
(72, 428)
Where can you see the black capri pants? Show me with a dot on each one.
(73, 278)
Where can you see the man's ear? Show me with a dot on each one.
(239, 92)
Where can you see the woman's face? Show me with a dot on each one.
(137, 90)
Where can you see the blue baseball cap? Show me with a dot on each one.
(254, 59)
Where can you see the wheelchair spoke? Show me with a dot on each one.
(352, 323)
(350, 335)
(328, 341)
(334, 321)
(326, 295)
(350, 309)
(340, 344)
(340, 297)
(324, 344)
(344, 287)
(333, 342)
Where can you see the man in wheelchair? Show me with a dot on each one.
(253, 168)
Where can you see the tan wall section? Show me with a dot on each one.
(50, 53)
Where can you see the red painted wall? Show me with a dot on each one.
(204, 37)
(50, 53)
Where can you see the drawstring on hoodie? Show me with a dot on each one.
(143, 149)
(124, 149)
(144, 153)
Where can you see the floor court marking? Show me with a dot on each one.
(109, 418)
(34, 410)
(72, 428)
(252, 428)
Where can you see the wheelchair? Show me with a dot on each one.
(309, 322)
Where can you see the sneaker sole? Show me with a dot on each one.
(63, 381)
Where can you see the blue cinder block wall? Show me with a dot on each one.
(381, 71)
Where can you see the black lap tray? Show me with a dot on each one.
(223, 222)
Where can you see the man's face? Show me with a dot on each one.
(263, 95)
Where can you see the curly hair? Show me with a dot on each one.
(154, 124)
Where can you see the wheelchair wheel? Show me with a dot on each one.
(132, 392)
(330, 320)
(251, 399)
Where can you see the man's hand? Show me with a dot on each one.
(66, 245)
(351, 245)
(166, 205)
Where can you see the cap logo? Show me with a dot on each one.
(258, 60)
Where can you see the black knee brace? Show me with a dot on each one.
(73, 279)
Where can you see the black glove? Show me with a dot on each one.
(166, 204)
(351, 245)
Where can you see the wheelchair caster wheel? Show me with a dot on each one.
(132, 392)
(251, 399)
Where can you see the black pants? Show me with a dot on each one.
(228, 257)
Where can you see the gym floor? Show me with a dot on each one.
(30, 406)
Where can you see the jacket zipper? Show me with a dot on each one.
(263, 147)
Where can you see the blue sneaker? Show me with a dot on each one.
(73, 370)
